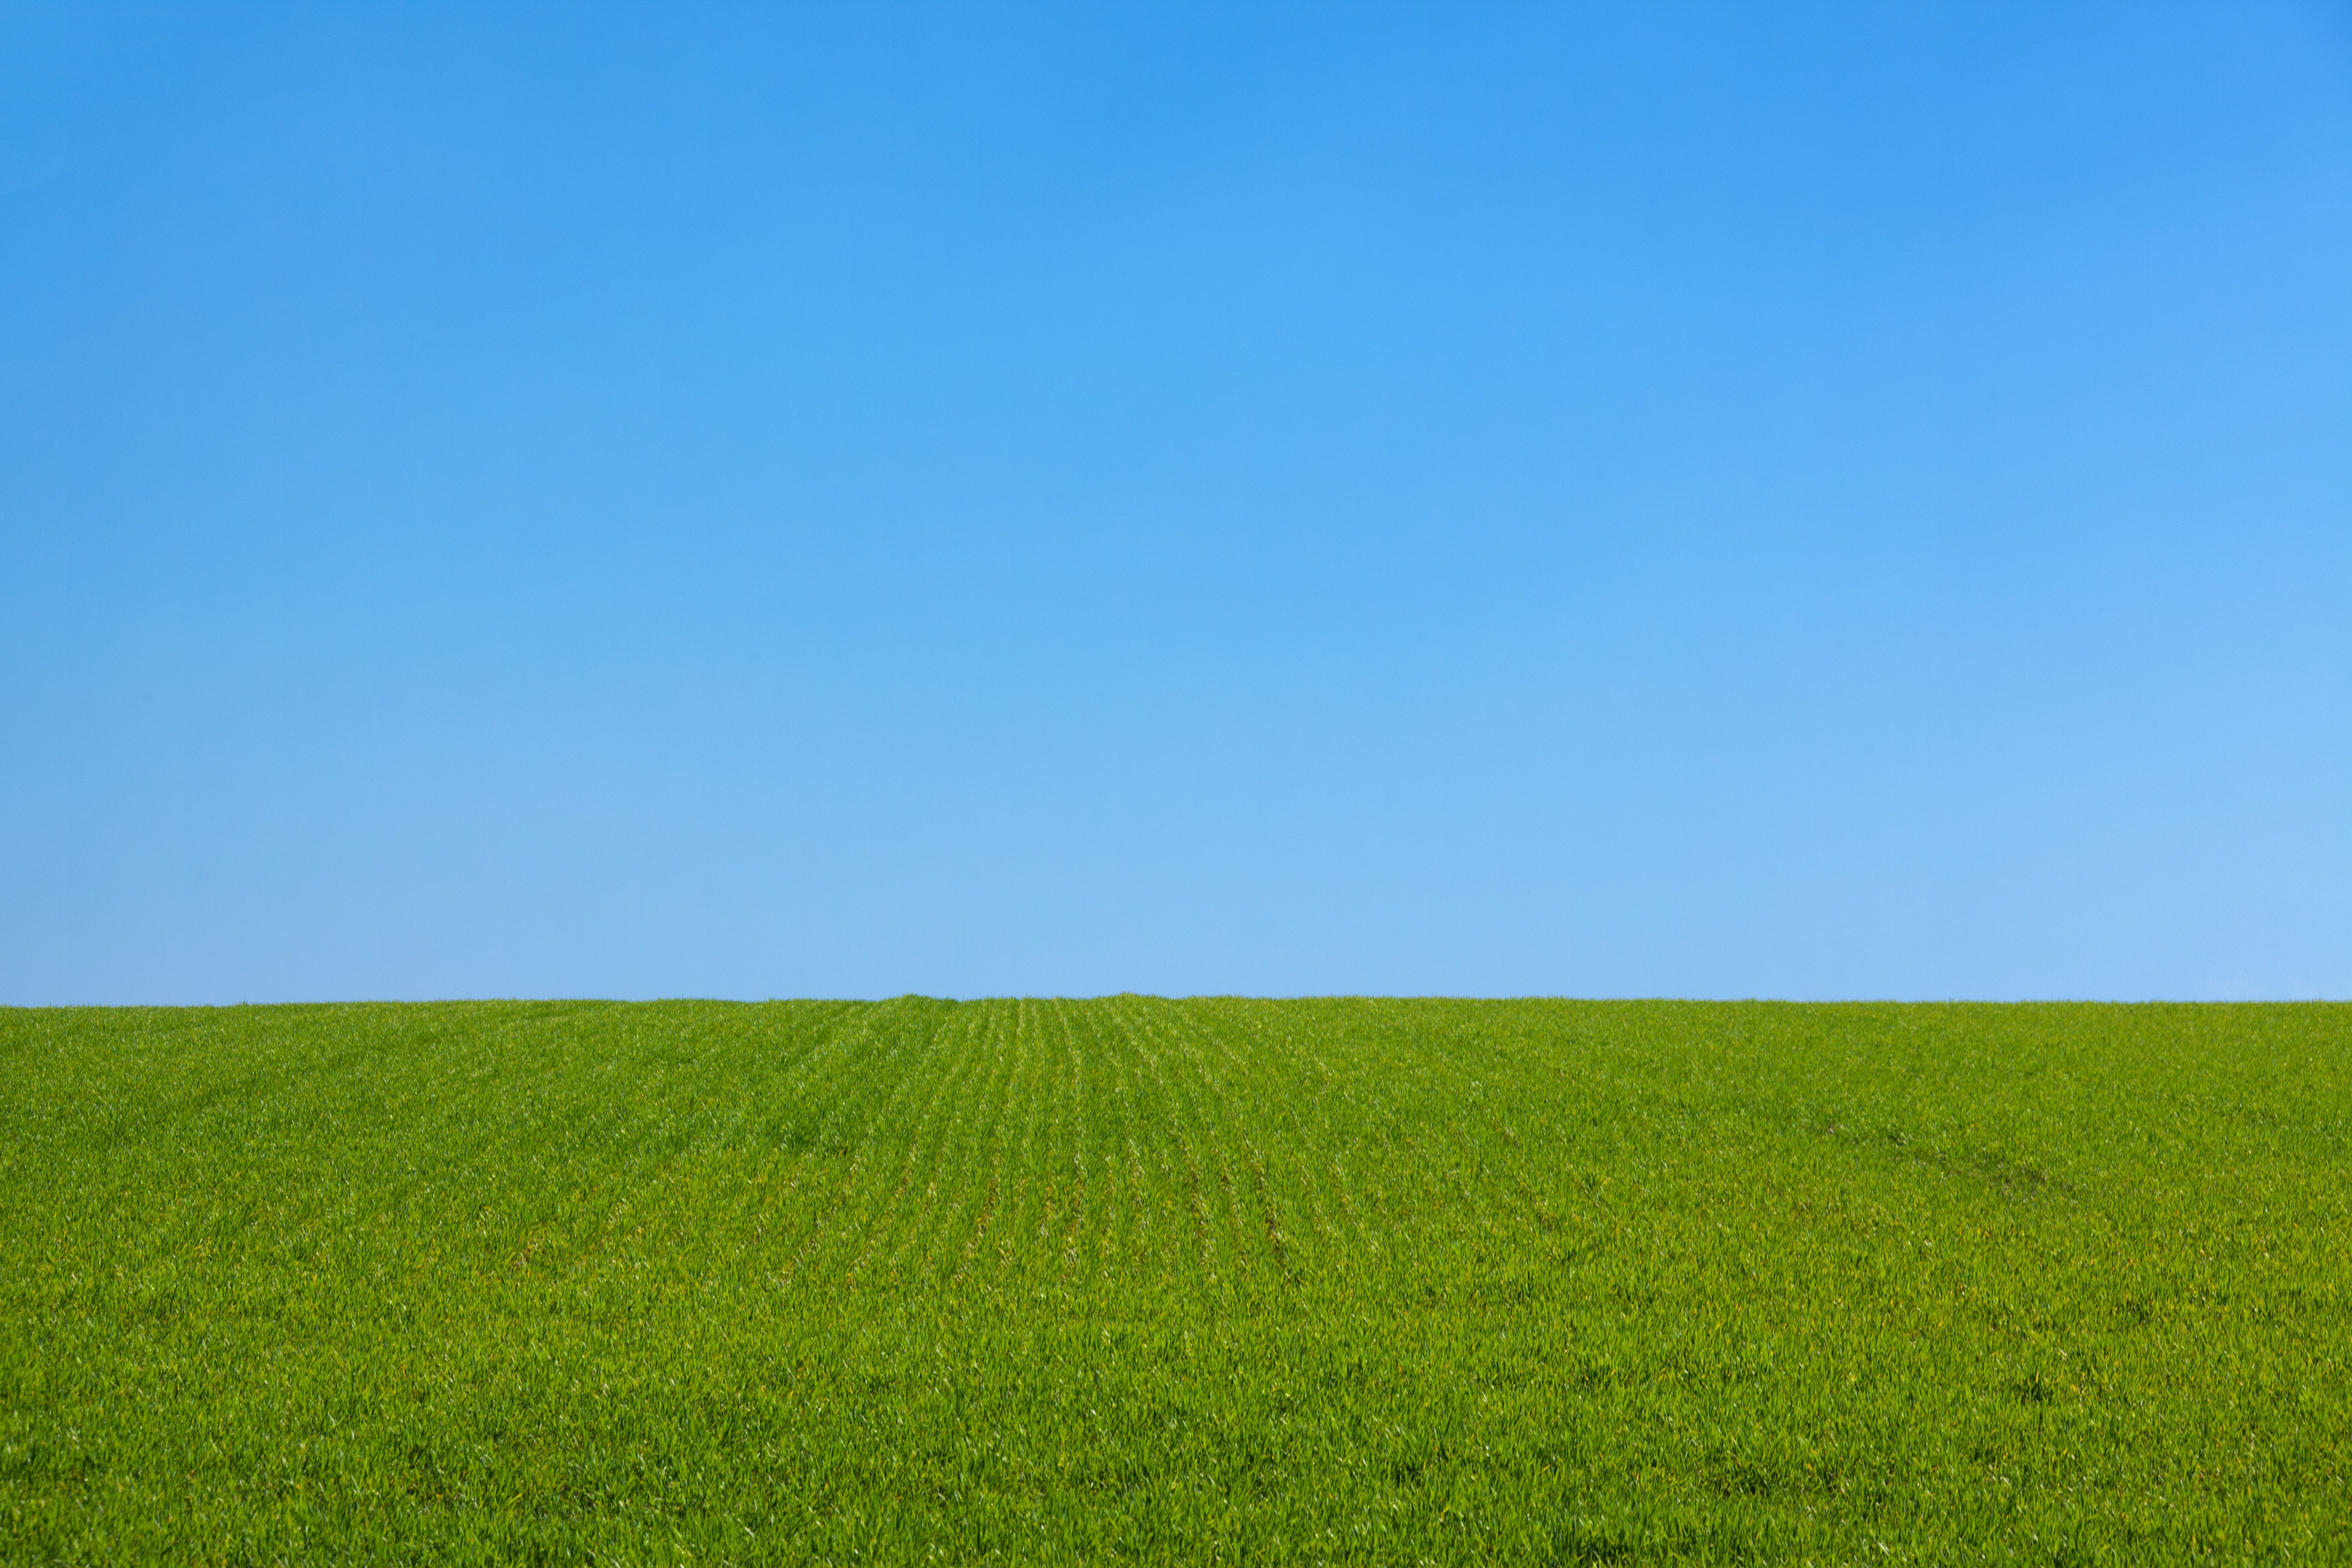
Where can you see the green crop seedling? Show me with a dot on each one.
(1143, 1280)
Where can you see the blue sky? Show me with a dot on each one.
(1713, 502)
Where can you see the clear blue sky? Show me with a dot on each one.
(1722, 501)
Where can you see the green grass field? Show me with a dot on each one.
(1142, 1280)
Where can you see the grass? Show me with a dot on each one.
(1148, 1281)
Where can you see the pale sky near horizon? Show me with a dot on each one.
(1803, 501)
